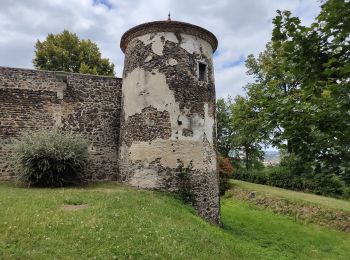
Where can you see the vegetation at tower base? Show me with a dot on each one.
(66, 52)
(184, 183)
(50, 158)
(225, 169)
(300, 99)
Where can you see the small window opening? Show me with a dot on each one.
(202, 71)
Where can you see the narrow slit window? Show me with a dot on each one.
(202, 71)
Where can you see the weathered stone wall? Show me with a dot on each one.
(160, 124)
(84, 104)
(168, 117)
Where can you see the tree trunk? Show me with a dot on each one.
(246, 159)
(289, 146)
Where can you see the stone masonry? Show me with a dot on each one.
(84, 104)
(144, 129)
(168, 119)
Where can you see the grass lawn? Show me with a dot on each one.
(120, 222)
(322, 201)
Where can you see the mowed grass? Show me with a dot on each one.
(322, 201)
(120, 222)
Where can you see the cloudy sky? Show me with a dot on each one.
(241, 26)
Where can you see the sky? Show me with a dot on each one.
(242, 27)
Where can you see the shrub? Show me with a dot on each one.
(330, 185)
(282, 177)
(225, 170)
(252, 175)
(50, 158)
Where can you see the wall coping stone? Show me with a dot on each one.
(58, 72)
(168, 26)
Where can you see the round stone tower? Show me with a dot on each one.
(168, 126)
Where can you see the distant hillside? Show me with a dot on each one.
(271, 157)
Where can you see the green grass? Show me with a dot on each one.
(322, 201)
(121, 222)
(281, 236)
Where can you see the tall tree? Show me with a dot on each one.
(248, 136)
(302, 89)
(66, 52)
(239, 132)
(225, 131)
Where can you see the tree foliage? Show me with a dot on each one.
(225, 130)
(300, 99)
(302, 90)
(248, 135)
(239, 132)
(66, 52)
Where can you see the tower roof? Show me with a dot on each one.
(168, 26)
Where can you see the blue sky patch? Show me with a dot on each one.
(216, 54)
(234, 63)
(103, 2)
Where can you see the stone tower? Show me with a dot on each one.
(168, 122)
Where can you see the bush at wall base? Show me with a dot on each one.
(50, 158)
(225, 170)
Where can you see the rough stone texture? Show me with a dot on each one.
(161, 85)
(148, 125)
(146, 134)
(168, 26)
(84, 104)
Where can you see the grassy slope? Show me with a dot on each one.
(322, 201)
(123, 222)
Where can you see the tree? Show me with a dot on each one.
(66, 52)
(333, 29)
(301, 90)
(248, 136)
(225, 131)
(239, 132)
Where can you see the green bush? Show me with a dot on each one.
(284, 177)
(252, 175)
(330, 185)
(50, 158)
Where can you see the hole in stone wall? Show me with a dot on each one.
(179, 122)
(202, 71)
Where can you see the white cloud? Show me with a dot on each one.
(242, 27)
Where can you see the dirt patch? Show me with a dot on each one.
(301, 211)
(74, 207)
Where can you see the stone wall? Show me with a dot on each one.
(168, 117)
(84, 104)
(148, 133)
